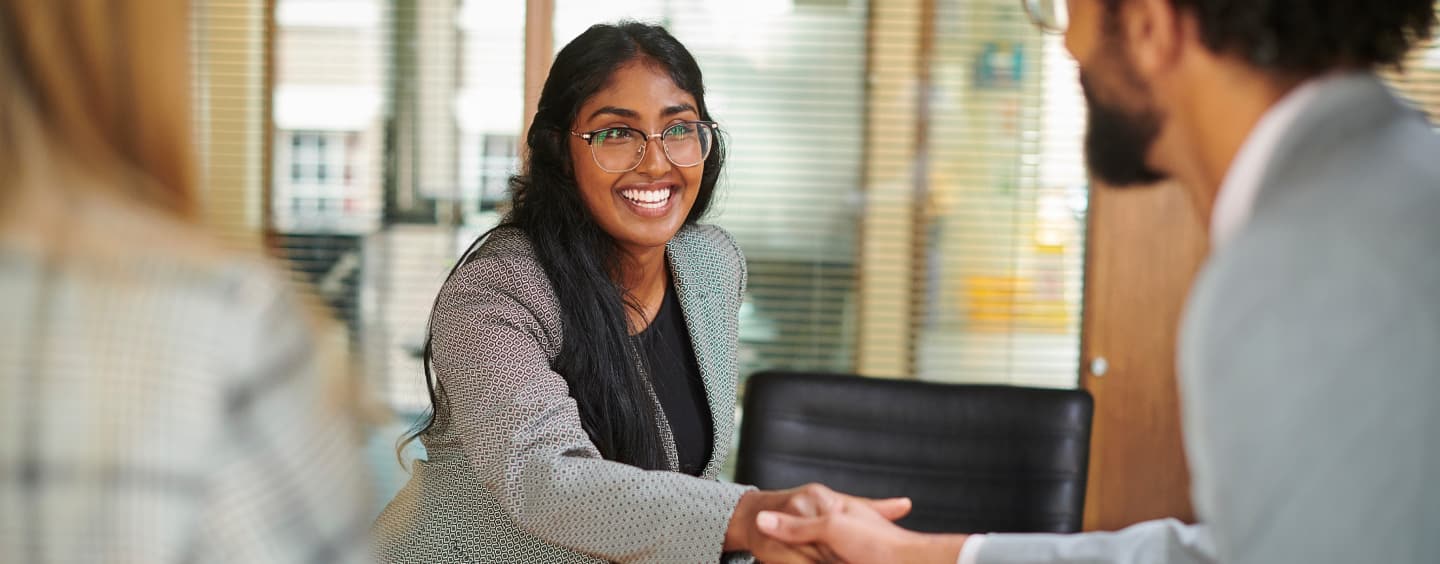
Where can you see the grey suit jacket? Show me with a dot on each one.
(1310, 360)
(511, 476)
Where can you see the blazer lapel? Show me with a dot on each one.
(702, 305)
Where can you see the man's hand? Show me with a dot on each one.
(804, 501)
(857, 534)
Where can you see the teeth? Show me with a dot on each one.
(643, 197)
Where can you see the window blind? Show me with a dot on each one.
(396, 127)
(1420, 79)
(229, 72)
(1004, 201)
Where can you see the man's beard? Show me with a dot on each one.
(1117, 139)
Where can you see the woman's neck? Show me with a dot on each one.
(644, 276)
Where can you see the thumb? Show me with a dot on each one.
(788, 528)
(891, 509)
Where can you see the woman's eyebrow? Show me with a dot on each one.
(632, 114)
(622, 112)
(677, 109)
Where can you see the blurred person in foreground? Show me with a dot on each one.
(160, 398)
(1310, 350)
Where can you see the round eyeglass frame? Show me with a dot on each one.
(589, 138)
(1055, 22)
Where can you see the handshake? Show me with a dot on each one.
(813, 523)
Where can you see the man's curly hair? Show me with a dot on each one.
(1307, 37)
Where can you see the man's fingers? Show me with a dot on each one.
(891, 509)
(785, 556)
(788, 528)
(810, 553)
(828, 556)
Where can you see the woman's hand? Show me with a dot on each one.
(854, 533)
(810, 500)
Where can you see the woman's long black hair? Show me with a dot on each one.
(597, 357)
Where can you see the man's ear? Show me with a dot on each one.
(1153, 31)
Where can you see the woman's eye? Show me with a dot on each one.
(680, 130)
(614, 135)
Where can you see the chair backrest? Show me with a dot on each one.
(972, 458)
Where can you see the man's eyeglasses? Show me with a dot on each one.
(1051, 16)
(621, 149)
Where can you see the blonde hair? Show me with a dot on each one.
(102, 86)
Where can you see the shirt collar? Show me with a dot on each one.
(1242, 182)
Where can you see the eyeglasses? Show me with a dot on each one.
(1051, 16)
(621, 149)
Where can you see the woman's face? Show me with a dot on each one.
(642, 208)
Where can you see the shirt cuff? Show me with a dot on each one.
(970, 552)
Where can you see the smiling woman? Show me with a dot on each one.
(584, 352)
(637, 195)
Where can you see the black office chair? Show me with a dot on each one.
(973, 459)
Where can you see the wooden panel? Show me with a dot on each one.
(900, 35)
(539, 51)
(233, 99)
(1145, 247)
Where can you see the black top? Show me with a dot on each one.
(676, 376)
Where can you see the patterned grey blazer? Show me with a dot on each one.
(511, 476)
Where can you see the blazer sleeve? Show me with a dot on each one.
(495, 333)
(1166, 541)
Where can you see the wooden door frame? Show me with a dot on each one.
(1144, 247)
